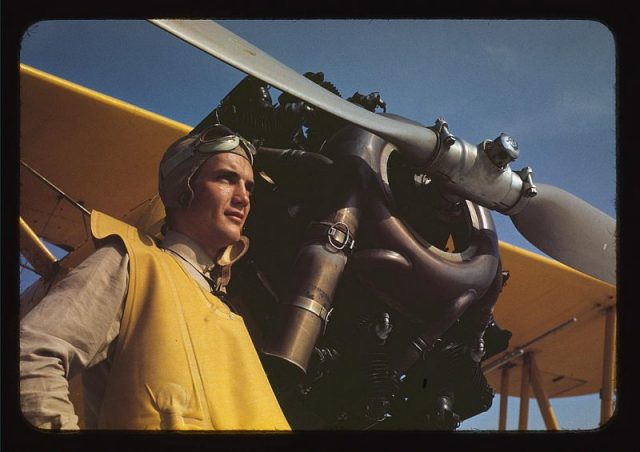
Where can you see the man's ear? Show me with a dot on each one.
(185, 198)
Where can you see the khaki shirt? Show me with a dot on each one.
(73, 329)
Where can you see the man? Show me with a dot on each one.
(158, 350)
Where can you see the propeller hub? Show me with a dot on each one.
(502, 151)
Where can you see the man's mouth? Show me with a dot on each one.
(237, 217)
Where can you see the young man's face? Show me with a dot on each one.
(222, 188)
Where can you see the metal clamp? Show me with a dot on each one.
(445, 137)
(312, 306)
(315, 308)
(340, 239)
(528, 188)
(445, 140)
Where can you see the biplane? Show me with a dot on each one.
(562, 320)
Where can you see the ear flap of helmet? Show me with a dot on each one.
(185, 198)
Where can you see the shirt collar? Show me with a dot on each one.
(188, 249)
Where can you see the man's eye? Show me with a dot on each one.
(225, 177)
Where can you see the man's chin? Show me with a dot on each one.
(232, 236)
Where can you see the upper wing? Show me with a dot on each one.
(100, 151)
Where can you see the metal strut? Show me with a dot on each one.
(56, 189)
(519, 351)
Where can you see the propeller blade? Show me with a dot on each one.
(416, 143)
(571, 231)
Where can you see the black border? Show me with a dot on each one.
(16, 17)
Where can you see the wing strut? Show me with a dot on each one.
(55, 188)
(519, 351)
(36, 252)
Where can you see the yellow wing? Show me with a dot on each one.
(100, 151)
(541, 295)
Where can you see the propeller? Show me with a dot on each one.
(417, 143)
(571, 231)
(556, 222)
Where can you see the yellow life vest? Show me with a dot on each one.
(183, 360)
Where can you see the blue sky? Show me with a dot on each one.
(548, 83)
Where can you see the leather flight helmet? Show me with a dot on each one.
(186, 155)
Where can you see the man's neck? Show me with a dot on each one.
(188, 248)
(211, 250)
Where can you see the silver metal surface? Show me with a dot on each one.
(467, 170)
(571, 231)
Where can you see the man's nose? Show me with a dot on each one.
(241, 195)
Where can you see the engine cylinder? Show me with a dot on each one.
(412, 275)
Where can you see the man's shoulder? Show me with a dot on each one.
(105, 226)
(111, 232)
(108, 264)
(109, 253)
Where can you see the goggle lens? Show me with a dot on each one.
(220, 135)
(215, 133)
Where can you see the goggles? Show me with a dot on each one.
(214, 139)
(219, 138)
